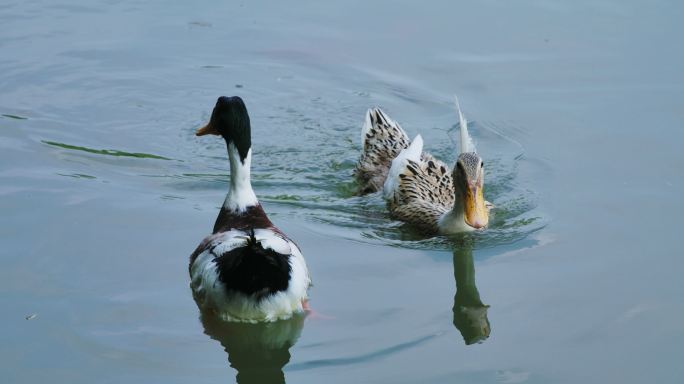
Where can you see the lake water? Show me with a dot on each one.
(576, 107)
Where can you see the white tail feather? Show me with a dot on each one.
(413, 152)
(467, 144)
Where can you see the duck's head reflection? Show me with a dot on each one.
(257, 351)
(470, 314)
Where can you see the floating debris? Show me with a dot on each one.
(171, 197)
(108, 152)
(200, 24)
(14, 117)
(77, 175)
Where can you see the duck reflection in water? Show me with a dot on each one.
(257, 351)
(470, 314)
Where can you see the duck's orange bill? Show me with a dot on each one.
(476, 214)
(207, 130)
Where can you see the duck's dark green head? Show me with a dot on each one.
(230, 120)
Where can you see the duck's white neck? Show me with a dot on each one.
(454, 220)
(240, 196)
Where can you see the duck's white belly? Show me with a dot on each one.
(211, 294)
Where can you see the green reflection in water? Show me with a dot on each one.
(470, 314)
(108, 152)
(258, 352)
(77, 175)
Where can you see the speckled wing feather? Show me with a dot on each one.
(424, 192)
(423, 215)
(382, 139)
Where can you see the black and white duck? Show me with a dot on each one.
(418, 188)
(247, 269)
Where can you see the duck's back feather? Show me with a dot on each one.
(249, 275)
(255, 268)
(421, 192)
(248, 270)
(252, 217)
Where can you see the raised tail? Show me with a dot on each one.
(467, 144)
(382, 139)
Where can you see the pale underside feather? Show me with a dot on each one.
(411, 153)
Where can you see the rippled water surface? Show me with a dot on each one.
(576, 108)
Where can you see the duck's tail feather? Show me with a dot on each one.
(467, 144)
(382, 140)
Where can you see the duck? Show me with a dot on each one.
(247, 269)
(418, 188)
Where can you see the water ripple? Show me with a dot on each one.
(365, 358)
(308, 175)
(107, 152)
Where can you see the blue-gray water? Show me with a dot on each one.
(576, 108)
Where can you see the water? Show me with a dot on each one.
(105, 191)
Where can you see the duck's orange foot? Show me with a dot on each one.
(313, 314)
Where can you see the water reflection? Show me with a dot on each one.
(257, 351)
(470, 314)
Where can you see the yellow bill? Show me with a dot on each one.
(476, 213)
